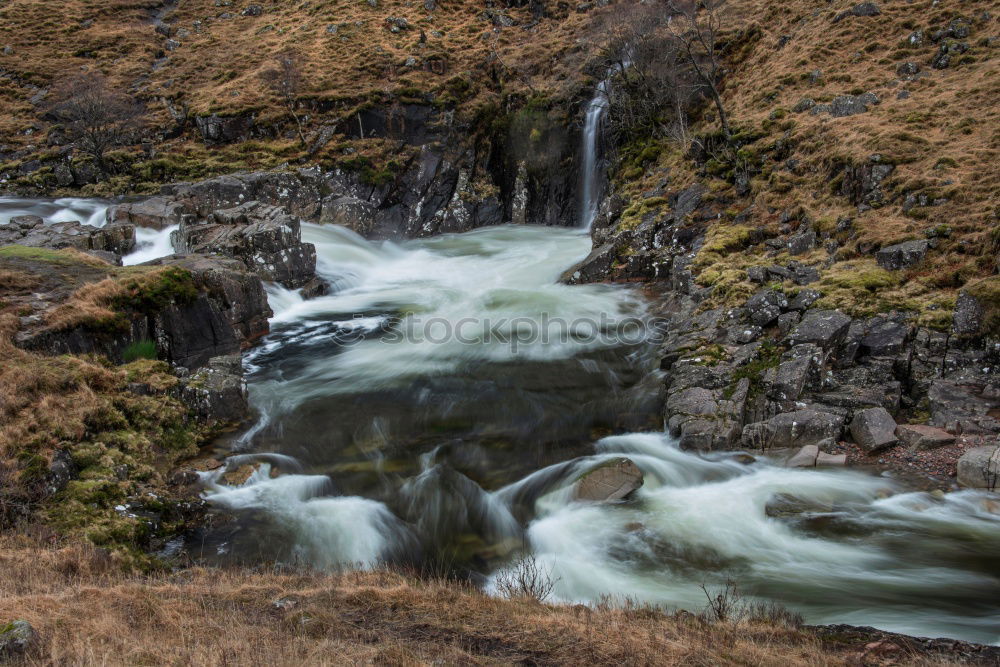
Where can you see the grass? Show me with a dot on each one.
(87, 612)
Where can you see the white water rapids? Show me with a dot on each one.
(396, 446)
(438, 405)
(150, 243)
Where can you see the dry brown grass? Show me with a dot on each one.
(87, 613)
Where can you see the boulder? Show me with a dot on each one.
(922, 436)
(217, 392)
(790, 378)
(825, 328)
(979, 468)
(351, 212)
(964, 408)
(15, 638)
(765, 306)
(873, 429)
(611, 481)
(804, 458)
(885, 337)
(902, 255)
(153, 213)
(831, 460)
(861, 9)
(794, 429)
(264, 237)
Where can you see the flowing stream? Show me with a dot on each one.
(383, 437)
(438, 406)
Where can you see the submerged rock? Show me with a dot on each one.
(610, 481)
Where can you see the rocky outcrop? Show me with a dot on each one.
(902, 255)
(108, 242)
(265, 238)
(154, 213)
(609, 482)
(227, 313)
(217, 392)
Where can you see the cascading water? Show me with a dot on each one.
(68, 209)
(150, 243)
(591, 175)
(461, 452)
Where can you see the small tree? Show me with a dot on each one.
(695, 25)
(95, 116)
(285, 80)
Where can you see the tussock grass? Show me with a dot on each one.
(86, 612)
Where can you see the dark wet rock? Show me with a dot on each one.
(351, 212)
(787, 322)
(264, 237)
(801, 243)
(154, 213)
(947, 53)
(825, 328)
(964, 408)
(902, 255)
(861, 9)
(790, 378)
(907, 69)
(873, 429)
(969, 315)
(979, 468)
(794, 429)
(847, 105)
(923, 437)
(217, 129)
(16, 638)
(862, 183)
(62, 469)
(765, 306)
(703, 419)
(885, 337)
(30, 230)
(609, 482)
(217, 392)
(804, 299)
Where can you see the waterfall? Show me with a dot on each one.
(593, 190)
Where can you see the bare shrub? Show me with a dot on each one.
(728, 605)
(525, 579)
(695, 28)
(285, 80)
(96, 116)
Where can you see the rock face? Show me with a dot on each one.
(30, 230)
(979, 468)
(264, 237)
(155, 213)
(217, 392)
(873, 429)
(902, 255)
(794, 429)
(609, 482)
(228, 313)
(922, 437)
(825, 328)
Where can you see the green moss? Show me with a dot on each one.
(987, 293)
(63, 257)
(151, 294)
(144, 349)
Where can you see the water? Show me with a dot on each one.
(591, 174)
(150, 243)
(68, 209)
(384, 441)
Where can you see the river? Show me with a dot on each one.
(435, 409)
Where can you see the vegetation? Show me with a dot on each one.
(87, 612)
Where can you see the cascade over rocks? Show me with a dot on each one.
(611, 481)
